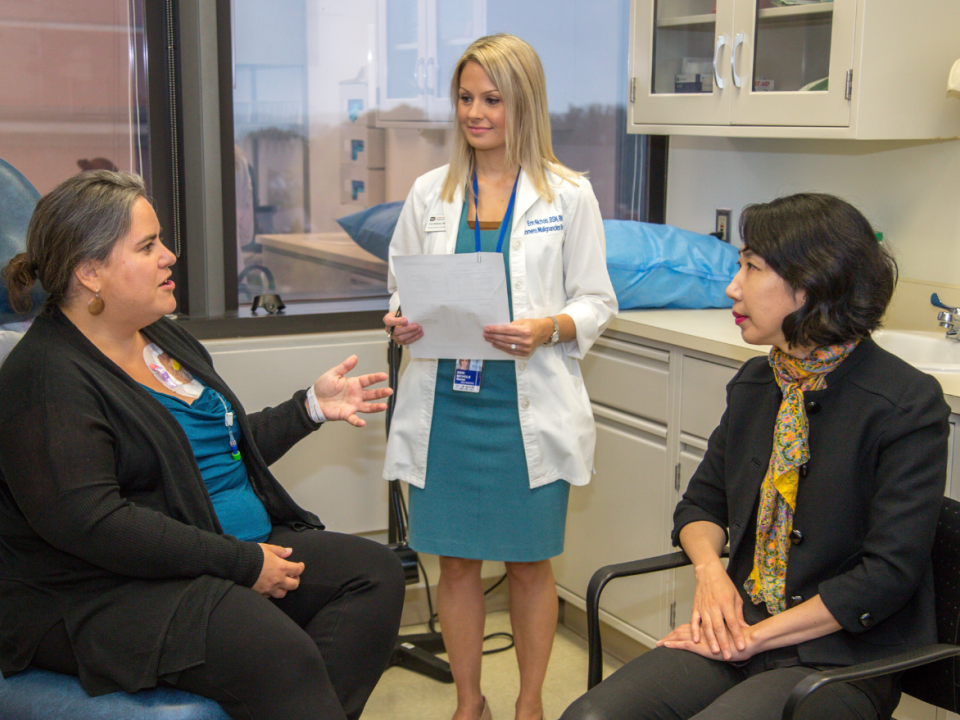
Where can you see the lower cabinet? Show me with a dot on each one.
(609, 521)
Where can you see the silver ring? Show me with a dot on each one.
(513, 346)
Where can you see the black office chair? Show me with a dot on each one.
(930, 674)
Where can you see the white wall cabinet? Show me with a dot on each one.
(869, 69)
(418, 43)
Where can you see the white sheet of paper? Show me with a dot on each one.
(453, 297)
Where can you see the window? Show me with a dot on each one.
(74, 96)
(339, 106)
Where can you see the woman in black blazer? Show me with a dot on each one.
(825, 477)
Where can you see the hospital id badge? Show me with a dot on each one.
(467, 376)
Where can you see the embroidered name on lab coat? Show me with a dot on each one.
(554, 223)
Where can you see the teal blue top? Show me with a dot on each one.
(239, 510)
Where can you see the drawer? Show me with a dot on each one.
(629, 377)
(703, 395)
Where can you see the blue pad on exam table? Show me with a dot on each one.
(661, 266)
(17, 199)
(36, 694)
(650, 265)
(372, 228)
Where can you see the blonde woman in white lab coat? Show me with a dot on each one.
(490, 468)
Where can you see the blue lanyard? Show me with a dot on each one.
(506, 218)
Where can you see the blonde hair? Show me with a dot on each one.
(514, 68)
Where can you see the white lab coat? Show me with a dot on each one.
(559, 271)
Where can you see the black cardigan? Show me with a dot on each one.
(867, 506)
(105, 521)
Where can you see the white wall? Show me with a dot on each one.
(909, 190)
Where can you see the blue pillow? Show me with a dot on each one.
(372, 228)
(661, 266)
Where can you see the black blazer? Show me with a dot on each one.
(105, 521)
(867, 504)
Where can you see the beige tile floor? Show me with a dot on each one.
(405, 695)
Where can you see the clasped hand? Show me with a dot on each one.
(341, 398)
(716, 629)
(278, 576)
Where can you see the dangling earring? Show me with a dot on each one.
(95, 306)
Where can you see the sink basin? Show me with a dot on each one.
(927, 351)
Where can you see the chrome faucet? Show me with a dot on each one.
(949, 318)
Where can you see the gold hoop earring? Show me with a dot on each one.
(95, 306)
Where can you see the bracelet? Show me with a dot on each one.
(316, 414)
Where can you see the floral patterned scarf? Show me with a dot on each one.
(791, 450)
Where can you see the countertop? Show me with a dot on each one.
(333, 247)
(714, 332)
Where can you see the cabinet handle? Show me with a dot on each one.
(431, 83)
(721, 41)
(738, 41)
(418, 76)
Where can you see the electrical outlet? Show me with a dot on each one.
(723, 224)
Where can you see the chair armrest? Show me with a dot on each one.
(896, 663)
(598, 582)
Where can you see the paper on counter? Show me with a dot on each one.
(453, 297)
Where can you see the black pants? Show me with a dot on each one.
(317, 653)
(666, 684)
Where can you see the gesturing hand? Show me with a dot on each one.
(277, 576)
(341, 398)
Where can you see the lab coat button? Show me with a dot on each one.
(522, 365)
(813, 407)
(866, 619)
(525, 403)
(518, 284)
(796, 537)
(794, 601)
(516, 244)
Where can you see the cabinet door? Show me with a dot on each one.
(620, 516)
(452, 25)
(790, 63)
(402, 61)
(629, 377)
(680, 55)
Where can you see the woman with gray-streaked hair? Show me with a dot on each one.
(490, 451)
(145, 540)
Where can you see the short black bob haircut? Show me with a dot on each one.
(825, 247)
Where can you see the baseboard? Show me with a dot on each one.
(615, 643)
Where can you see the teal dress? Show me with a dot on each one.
(476, 502)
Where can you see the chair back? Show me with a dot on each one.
(939, 682)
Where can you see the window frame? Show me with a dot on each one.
(195, 120)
